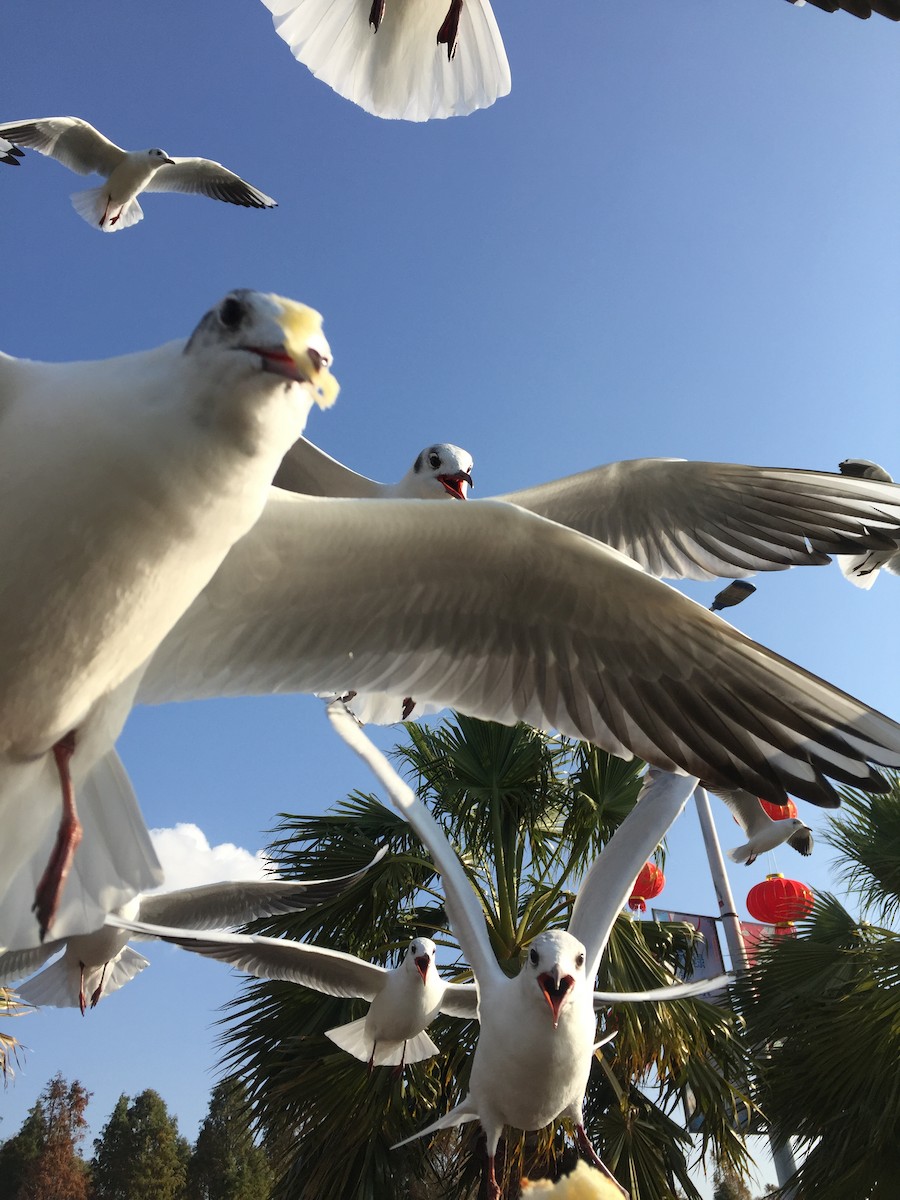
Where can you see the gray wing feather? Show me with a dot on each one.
(71, 141)
(202, 176)
(701, 520)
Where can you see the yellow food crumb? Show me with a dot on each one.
(584, 1183)
(303, 325)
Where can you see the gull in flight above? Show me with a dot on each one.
(412, 62)
(862, 569)
(536, 1042)
(763, 833)
(9, 153)
(123, 484)
(127, 173)
(95, 964)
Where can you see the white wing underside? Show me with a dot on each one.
(400, 72)
(509, 617)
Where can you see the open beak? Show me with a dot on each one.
(555, 988)
(422, 962)
(455, 484)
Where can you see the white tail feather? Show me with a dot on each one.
(57, 986)
(93, 205)
(353, 1038)
(356, 1041)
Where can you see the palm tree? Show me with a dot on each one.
(826, 1006)
(9, 1045)
(529, 813)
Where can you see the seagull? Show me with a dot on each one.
(127, 173)
(9, 153)
(439, 472)
(123, 484)
(862, 569)
(736, 593)
(678, 519)
(100, 962)
(399, 60)
(504, 615)
(763, 833)
(536, 1042)
(404, 1001)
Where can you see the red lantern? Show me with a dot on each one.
(649, 883)
(779, 812)
(778, 901)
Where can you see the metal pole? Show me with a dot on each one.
(782, 1153)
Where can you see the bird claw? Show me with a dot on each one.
(448, 34)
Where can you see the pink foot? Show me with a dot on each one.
(449, 31)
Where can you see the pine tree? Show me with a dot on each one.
(139, 1154)
(41, 1162)
(226, 1163)
(729, 1186)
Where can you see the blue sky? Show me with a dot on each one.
(677, 236)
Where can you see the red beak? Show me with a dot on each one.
(422, 962)
(454, 484)
(555, 993)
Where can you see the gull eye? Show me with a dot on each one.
(434, 461)
(231, 314)
(533, 957)
(579, 960)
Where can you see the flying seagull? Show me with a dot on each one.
(404, 1001)
(434, 58)
(763, 833)
(127, 173)
(862, 569)
(95, 964)
(678, 519)
(500, 614)
(439, 472)
(123, 484)
(9, 153)
(536, 1042)
(736, 593)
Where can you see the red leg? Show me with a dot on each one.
(68, 836)
(82, 1000)
(494, 1192)
(398, 1071)
(98, 990)
(408, 705)
(449, 31)
(584, 1145)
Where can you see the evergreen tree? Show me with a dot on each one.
(729, 1186)
(41, 1162)
(226, 1163)
(139, 1154)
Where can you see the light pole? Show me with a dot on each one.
(782, 1154)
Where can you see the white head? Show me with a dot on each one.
(864, 468)
(555, 964)
(159, 158)
(439, 472)
(795, 825)
(420, 957)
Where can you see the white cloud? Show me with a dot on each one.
(188, 860)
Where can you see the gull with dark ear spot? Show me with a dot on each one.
(94, 964)
(123, 484)
(127, 173)
(763, 833)
(537, 1036)
(862, 569)
(679, 520)
(9, 153)
(439, 472)
(400, 60)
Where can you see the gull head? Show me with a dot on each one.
(439, 471)
(159, 158)
(279, 335)
(794, 824)
(556, 964)
(864, 468)
(419, 957)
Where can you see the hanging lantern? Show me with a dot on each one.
(780, 902)
(779, 812)
(649, 883)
